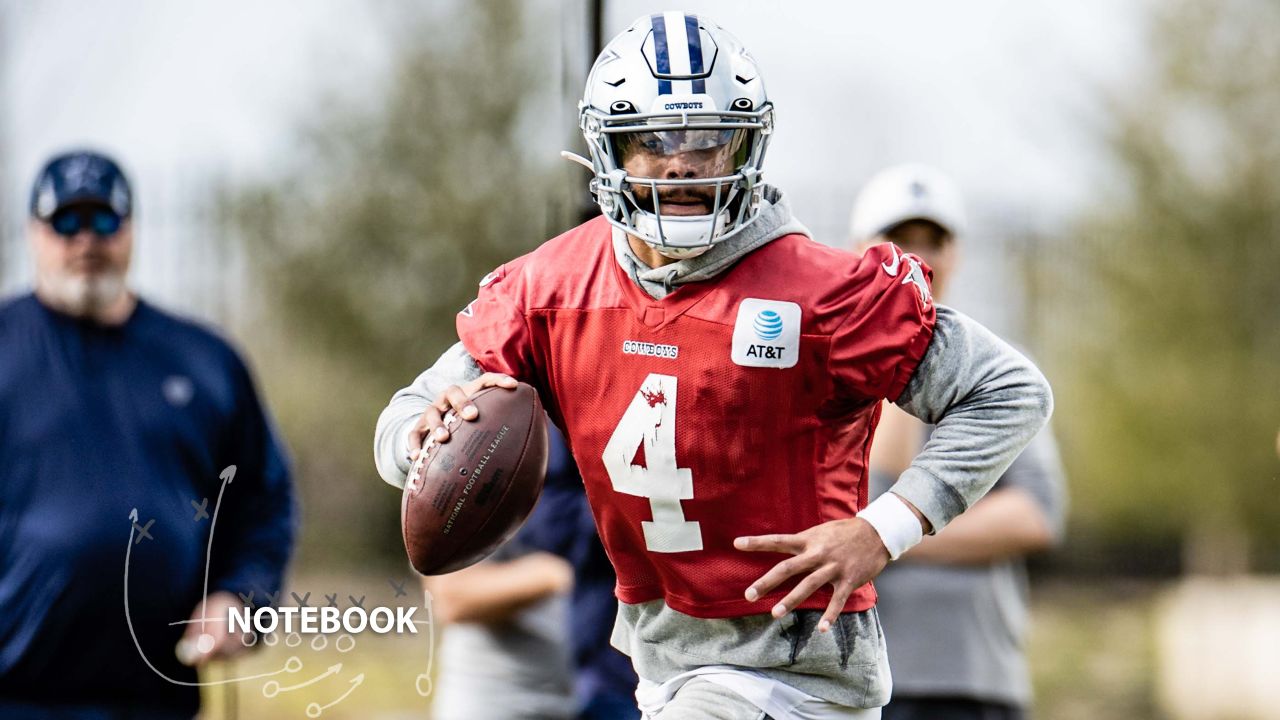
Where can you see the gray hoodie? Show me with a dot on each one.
(986, 399)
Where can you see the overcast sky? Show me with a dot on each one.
(993, 91)
(998, 93)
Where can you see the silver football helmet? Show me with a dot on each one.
(677, 121)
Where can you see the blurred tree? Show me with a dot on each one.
(366, 249)
(1160, 317)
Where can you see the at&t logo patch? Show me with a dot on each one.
(768, 325)
(766, 334)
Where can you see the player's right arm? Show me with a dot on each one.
(494, 336)
(418, 410)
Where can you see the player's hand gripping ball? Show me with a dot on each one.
(471, 487)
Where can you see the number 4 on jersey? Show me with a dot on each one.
(648, 430)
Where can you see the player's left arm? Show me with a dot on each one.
(987, 401)
(401, 428)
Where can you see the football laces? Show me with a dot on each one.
(451, 422)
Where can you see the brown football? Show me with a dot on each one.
(465, 497)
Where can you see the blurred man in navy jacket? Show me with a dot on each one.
(108, 404)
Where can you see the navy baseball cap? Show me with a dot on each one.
(76, 177)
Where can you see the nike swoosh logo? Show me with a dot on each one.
(897, 262)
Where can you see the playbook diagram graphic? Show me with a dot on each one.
(293, 666)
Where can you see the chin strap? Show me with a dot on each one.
(685, 237)
(680, 253)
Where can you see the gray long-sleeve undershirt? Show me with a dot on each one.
(391, 439)
(987, 400)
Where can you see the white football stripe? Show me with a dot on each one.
(677, 43)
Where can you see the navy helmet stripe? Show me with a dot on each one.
(695, 52)
(660, 49)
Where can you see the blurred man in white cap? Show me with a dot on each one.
(955, 609)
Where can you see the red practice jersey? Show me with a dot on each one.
(740, 405)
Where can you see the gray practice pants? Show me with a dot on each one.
(702, 700)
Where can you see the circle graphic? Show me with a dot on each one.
(768, 325)
(205, 643)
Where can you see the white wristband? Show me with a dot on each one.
(898, 526)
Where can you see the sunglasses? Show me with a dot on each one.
(100, 221)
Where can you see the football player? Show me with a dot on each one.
(719, 375)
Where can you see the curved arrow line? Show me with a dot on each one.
(292, 665)
(228, 474)
(431, 644)
(333, 670)
(318, 708)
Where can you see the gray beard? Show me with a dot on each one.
(81, 296)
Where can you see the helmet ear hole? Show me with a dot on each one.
(621, 107)
(740, 104)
